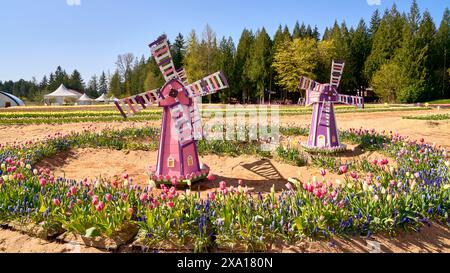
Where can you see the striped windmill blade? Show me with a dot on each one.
(161, 52)
(351, 100)
(182, 123)
(336, 73)
(182, 75)
(208, 85)
(131, 105)
(196, 120)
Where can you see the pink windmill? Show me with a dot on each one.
(178, 160)
(323, 133)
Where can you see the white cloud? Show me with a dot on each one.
(73, 2)
(373, 2)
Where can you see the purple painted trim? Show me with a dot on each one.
(162, 142)
(141, 101)
(166, 61)
(187, 144)
(204, 86)
(158, 41)
(120, 109)
(160, 94)
(181, 158)
(196, 154)
(173, 105)
(223, 78)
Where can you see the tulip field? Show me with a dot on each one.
(403, 189)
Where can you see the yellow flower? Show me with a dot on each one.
(3, 166)
(383, 190)
(365, 188)
(28, 166)
(389, 198)
(188, 192)
(5, 178)
(446, 186)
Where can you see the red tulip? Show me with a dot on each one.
(323, 172)
(354, 175)
(42, 182)
(95, 200)
(143, 197)
(212, 195)
(170, 204)
(222, 185)
(343, 169)
(211, 177)
(108, 197)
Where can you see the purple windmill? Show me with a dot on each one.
(181, 121)
(323, 133)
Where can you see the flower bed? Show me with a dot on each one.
(371, 197)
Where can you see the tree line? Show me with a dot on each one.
(403, 57)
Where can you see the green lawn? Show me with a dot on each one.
(442, 101)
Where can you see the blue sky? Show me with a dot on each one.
(38, 35)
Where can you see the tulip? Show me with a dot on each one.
(143, 197)
(170, 204)
(343, 169)
(222, 185)
(375, 162)
(189, 182)
(174, 181)
(130, 211)
(73, 190)
(323, 172)
(108, 197)
(389, 198)
(289, 186)
(375, 198)
(188, 192)
(100, 206)
(56, 202)
(125, 176)
(354, 175)
(42, 182)
(384, 162)
(95, 200)
(35, 172)
(212, 196)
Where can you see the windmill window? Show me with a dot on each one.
(190, 161)
(171, 162)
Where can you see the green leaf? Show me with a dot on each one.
(92, 232)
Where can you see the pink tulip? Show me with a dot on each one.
(130, 211)
(125, 176)
(108, 197)
(143, 197)
(323, 172)
(95, 200)
(384, 162)
(354, 175)
(42, 182)
(174, 181)
(170, 204)
(91, 192)
(222, 185)
(56, 202)
(343, 169)
(288, 186)
(100, 206)
(240, 183)
(333, 194)
(375, 162)
(73, 190)
(212, 196)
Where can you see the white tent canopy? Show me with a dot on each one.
(62, 94)
(85, 98)
(8, 100)
(102, 98)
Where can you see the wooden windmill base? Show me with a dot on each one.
(324, 150)
(180, 180)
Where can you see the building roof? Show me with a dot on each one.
(85, 98)
(63, 92)
(12, 98)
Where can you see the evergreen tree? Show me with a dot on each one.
(259, 62)
(359, 51)
(103, 84)
(296, 32)
(76, 82)
(242, 57)
(375, 21)
(92, 89)
(178, 49)
(441, 57)
(226, 60)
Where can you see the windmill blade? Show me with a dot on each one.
(351, 100)
(337, 69)
(208, 85)
(131, 105)
(196, 120)
(182, 123)
(182, 75)
(161, 52)
(307, 83)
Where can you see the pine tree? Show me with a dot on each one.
(226, 60)
(259, 62)
(359, 51)
(92, 89)
(76, 81)
(193, 61)
(296, 32)
(375, 21)
(242, 57)
(178, 49)
(441, 57)
(103, 84)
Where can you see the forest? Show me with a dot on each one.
(402, 57)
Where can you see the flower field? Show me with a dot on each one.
(370, 197)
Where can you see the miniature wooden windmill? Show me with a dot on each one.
(323, 134)
(181, 127)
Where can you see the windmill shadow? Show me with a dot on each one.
(265, 169)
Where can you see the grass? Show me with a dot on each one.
(441, 101)
(430, 117)
(74, 114)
